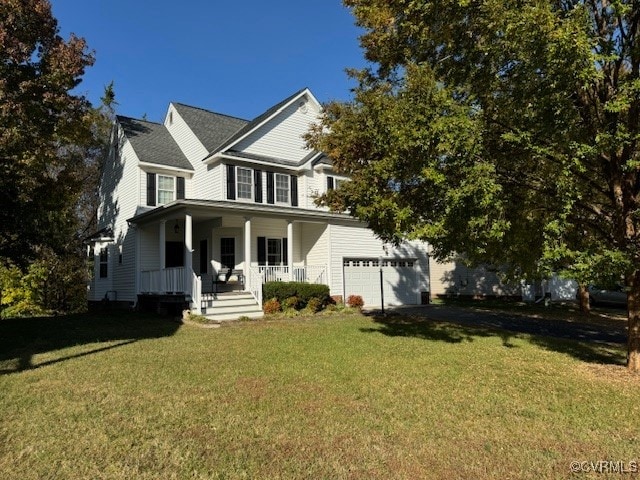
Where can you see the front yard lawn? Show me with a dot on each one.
(140, 397)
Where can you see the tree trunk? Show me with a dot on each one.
(633, 315)
(583, 299)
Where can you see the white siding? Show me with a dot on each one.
(454, 278)
(359, 242)
(119, 195)
(315, 243)
(282, 136)
(206, 183)
(149, 247)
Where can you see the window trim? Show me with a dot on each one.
(281, 242)
(250, 184)
(276, 188)
(175, 186)
(103, 261)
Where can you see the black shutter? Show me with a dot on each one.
(270, 188)
(151, 189)
(257, 181)
(294, 191)
(285, 252)
(330, 183)
(231, 182)
(262, 250)
(180, 188)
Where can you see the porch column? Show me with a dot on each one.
(163, 256)
(290, 249)
(247, 253)
(188, 252)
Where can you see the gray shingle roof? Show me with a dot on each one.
(275, 161)
(211, 128)
(153, 143)
(253, 123)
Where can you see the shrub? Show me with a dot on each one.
(303, 291)
(271, 306)
(314, 305)
(291, 303)
(355, 301)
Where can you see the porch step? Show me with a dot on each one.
(231, 306)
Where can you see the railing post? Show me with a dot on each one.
(163, 257)
(247, 252)
(188, 247)
(290, 249)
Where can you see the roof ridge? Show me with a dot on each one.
(138, 119)
(211, 111)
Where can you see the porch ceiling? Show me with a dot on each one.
(202, 210)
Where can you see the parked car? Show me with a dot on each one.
(614, 297)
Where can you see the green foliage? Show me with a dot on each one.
(271, 306)
(46, 130)
(304, 292)
(50, 284)
(292, 303)
(504, 132)
(314, 305)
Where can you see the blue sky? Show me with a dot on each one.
(237, 58)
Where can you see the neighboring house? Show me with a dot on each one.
(204, 201)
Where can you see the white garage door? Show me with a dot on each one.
(399, 279)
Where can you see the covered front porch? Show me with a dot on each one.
(198, 251)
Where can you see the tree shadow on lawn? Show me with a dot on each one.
(450, 331)
(23, 338)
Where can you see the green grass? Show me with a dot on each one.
(129, 396)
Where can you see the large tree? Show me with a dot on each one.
(504, 130)
(45, 130)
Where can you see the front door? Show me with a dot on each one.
(228, 252)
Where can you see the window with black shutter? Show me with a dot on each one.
(231, 182)
(262, 250)
(257, 179)
(180, 188)
(270, 188)
(294, 191)
(329, 183)
(151, 189)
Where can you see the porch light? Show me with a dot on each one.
(176, 227)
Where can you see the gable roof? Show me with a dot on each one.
(153, 143)
(259, 120)
(212, 129)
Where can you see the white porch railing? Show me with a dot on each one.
(308, 274)
(196, 293)
(256, 280)
(169, 280)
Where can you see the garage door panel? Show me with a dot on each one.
(362, 277)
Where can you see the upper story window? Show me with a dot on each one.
(282, 188)
(334, 182)
(166, 189)
(163, 189)
(244, 183)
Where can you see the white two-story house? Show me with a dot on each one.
(204, 199)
